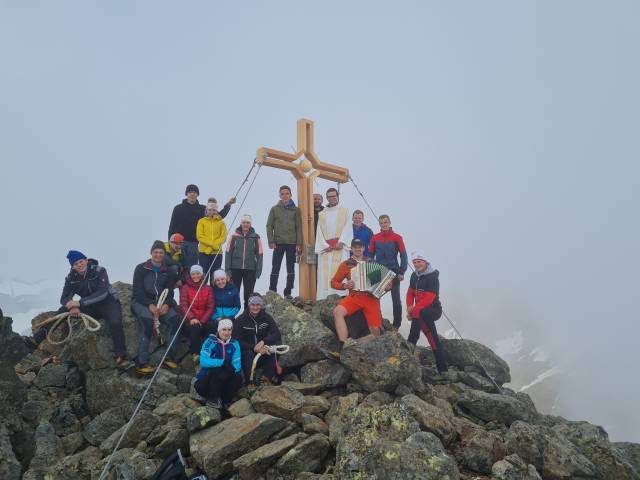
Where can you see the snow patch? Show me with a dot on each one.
(544, 375)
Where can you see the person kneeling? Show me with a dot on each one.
(219, 377)
(356, 300)
(255, 330)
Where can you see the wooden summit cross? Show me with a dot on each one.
(305, 171)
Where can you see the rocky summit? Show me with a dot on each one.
(378, 412)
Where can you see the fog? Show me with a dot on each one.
(501, 137)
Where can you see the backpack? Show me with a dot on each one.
(173, 469)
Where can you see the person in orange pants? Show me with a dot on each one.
(356, 300)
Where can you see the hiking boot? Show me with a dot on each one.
(145, 370)
(170, 364)
(122, 362)
(215, 403)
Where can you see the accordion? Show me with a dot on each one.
(372, 277)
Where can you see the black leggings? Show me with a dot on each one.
(267, 362)
(248, 277)
(426, 324)
(219, 383)
(197, 333)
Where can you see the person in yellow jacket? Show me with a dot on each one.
(211, 233)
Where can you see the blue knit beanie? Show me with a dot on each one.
(74, 256)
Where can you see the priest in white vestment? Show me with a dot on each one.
(333, 237)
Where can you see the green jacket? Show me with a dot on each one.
(284, 225)
(244, 252)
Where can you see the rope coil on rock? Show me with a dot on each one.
(89, 322)
(272, 350)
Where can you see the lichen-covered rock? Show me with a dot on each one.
(630, 452)
(312, 424)
(176, 438)
(513, 468)
(327, 373)
(552, 455)
(307, 456)
(385, 442)
(308, 338)
(464, 353)
(593, 442)
(215, 448)
(241, 408)
(51, 375)
(315, 405)
(128, 464)
(430, 418)
(377, 399)
(203, 417)
(142, 425)
(75, 467)
(480, 449)
(340, 407)
(48, 451)
(10, 468)
(179, 406)
(253, 464)
(489, 407)
(104, 424)
(382, 363)
(279, 401)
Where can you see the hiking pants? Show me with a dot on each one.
(145, 319)
(219, 383)
(197, 333)
(267, 362)
(276, 262)
(246, 277)
(214, 261)
(110, 311)
(397, 303)
(427, 324)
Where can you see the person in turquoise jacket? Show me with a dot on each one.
(227, 297)
(219, 377)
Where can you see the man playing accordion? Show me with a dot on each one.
(356, 300)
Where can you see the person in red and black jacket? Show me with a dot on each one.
(201, 299)
(423, 306)
(385, 248)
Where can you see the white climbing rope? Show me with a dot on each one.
(156, 320)
(88, 321)
(105, 470)
(271, 350)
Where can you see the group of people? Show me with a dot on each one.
(223, 341)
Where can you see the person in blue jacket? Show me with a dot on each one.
(219, 377)
(227, 297)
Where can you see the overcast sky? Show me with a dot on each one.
(497, 135)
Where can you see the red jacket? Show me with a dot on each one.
(424, 291)
(203, 305)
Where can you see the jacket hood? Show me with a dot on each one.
(429, 270)
(149, 266)
(250, 233)
(291, 204)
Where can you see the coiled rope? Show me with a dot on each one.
(271, 350)
(88, 321)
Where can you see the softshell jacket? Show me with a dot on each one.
(385, 248)
(185, 217)
(244, 252)
(214, 351)
(203, 304)
(249, 330)
(284, 225)
(211, 233)
(93, 287)
(227, 301)
(424, 291)
(149, 282)
(365, 234)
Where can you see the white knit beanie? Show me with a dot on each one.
(246, 218)
(418, 255)
(219, 274)
(196, 268)
(224, 323)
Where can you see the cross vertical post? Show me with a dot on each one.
(305, 166)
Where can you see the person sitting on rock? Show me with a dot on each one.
(98, 299)
(219, 377)
(174, 258)
(227, 297)
(195, 293)
(423, 306)
(255, 329)
(356, 300)
(150, 278)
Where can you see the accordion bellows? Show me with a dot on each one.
(372, 277)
